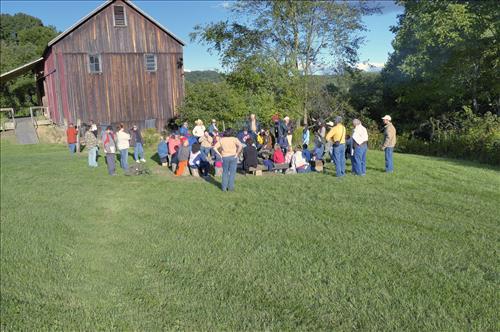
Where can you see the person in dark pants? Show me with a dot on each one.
(109, 146)
(389, 143)
(249, 155)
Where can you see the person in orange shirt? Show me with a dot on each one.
(71, 133)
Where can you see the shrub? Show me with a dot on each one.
(150, 137)
(465, 136)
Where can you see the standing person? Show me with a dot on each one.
(389, 143)
(163, 150)
(360, 143)
(123, 143)
(213, 127)
(228, 147)
(93, 128)
(289, 130)
(253, 126)
(305, 135)
(137, 143)
(182, 156)
(199, 129)
(336, 135)
(108, 143)
(91, 145)
(71, 134)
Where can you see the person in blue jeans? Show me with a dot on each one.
(228, 147)
(360, 143)
(137, 142)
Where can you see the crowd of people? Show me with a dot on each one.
(252, 148)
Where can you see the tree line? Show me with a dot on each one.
(440, 83)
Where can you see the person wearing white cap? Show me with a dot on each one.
(360, 143)
(336, 135)
(389, 143)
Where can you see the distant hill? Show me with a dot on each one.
(203, 76)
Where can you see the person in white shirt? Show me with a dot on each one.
(360, 145)
(199, 129)
(299, 163)
(123, 143)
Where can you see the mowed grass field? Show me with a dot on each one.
(80, 250)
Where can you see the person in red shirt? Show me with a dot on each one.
(278, 157)
(71, 133)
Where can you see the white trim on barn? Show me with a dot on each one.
(107, 3)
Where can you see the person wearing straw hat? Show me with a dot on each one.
(199, 129)
(389, 143)
(213, 127)
(336, 135)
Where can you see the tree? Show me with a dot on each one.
(301, 36)
(445, 56)
(23, 39)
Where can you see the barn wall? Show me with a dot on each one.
(124, 91)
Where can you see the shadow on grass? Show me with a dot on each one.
(210, 179)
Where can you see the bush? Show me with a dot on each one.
(466, 136)
(150, 137)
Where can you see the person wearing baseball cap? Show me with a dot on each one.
(389, 143)
(336, 136)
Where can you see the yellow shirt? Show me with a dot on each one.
(337, 134)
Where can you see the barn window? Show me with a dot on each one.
(150, 62)
(95, 63)
(119, 17)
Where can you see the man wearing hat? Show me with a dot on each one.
(389, 143)
(336, 136)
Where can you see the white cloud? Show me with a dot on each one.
(187, 70)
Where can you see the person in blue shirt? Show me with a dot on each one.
(305, 135)
(163, 150)
(306, 153)
(184, 129)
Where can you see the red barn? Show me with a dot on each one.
(117, 64)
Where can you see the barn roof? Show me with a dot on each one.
(101, 7)
(19, 71)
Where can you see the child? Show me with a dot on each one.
(278, 157)
(319, 150)
(173, 143)
(305, 135)
(249, 155)
(182, 156)
(298, 162)
(306, 153)
(198, 160)
(163, 150)
(289, 155)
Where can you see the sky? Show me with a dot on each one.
(181, 16)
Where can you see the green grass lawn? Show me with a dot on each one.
(80, 250)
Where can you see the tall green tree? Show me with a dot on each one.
(446, 55)
(23, 38)
(301, 36)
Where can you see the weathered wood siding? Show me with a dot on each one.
(124, 91)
